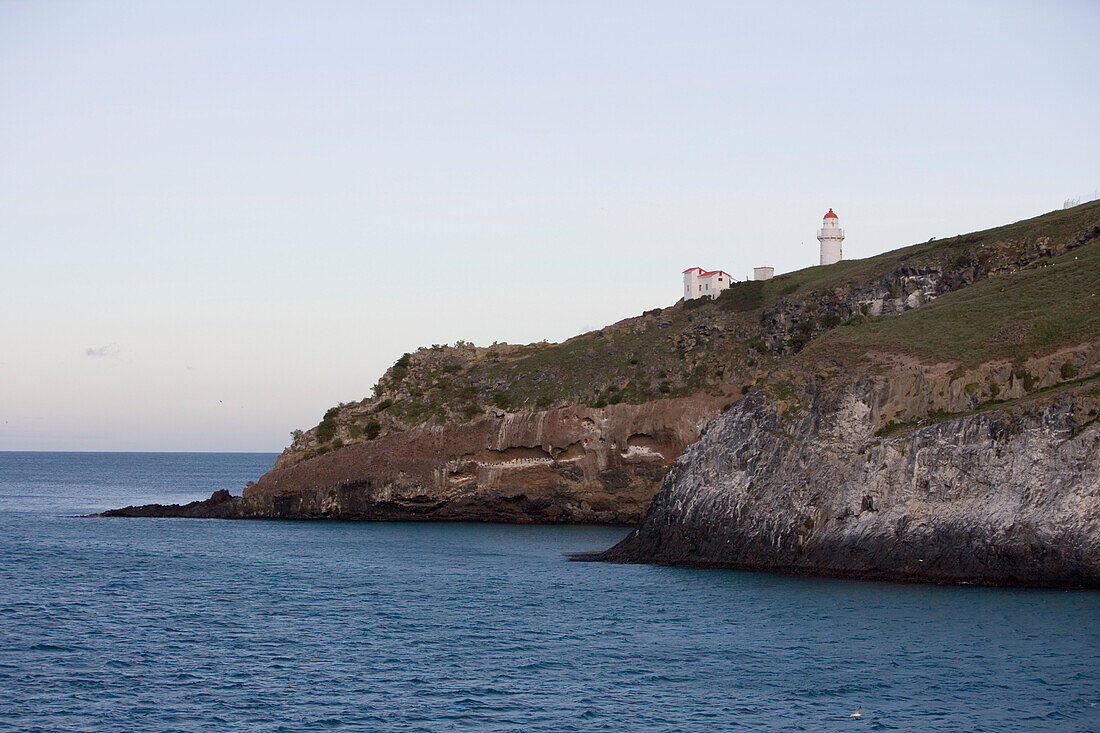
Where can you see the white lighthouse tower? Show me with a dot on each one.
(831, 237)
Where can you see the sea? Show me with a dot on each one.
(219, 625)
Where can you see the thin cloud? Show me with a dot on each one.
(109, 350)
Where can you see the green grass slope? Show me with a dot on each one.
(1034, 310)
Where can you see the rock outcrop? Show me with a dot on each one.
(575, 465)
(1004, 496)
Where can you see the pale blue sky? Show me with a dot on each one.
(219, 218)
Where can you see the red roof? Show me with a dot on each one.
(705, 273)
(830, 215)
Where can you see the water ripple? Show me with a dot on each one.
(166, 625)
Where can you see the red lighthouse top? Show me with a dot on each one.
(830, 215)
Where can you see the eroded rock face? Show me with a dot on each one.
(1006, 496)
(786, 325)
(575, 465)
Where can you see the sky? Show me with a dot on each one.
(218, 219)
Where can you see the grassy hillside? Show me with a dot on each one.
(1012, 290)
(1033, 310)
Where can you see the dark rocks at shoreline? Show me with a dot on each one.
(220, 505)
(366, 501)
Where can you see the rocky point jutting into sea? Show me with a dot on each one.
(928, 414)
(1002, 496)
(575, 465)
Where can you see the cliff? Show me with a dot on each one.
(584, 431)
(578, 465)
(954, 443)
(1007, 496)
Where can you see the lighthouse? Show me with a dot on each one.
(831, 237)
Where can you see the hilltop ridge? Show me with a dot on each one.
(722, 347)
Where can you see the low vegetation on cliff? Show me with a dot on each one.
(1014, 292)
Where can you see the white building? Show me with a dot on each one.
(831, 237)
(763, 273)
(699, 282)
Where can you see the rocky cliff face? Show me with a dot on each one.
(576, 465)
(1009, 495)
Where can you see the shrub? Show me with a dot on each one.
(798, 341)
(830, 320)
(1026, 377)
(372, 430)
(600, 403)
(1068, 370)
(664, 387)
(745, 388)
(401, 367)
(616, 398)
(326, 429)
(384, 404)
(888, 428)
(784, 390)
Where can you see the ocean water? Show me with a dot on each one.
(207, 625)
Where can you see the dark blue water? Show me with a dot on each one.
(197, 625)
